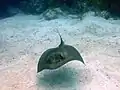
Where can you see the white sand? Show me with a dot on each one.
(24, 38)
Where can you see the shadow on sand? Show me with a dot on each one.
(65, 78)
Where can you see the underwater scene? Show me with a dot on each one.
(59, 44)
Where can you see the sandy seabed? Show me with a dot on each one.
(24, 38)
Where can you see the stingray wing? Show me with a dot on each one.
(73, 53)
(42, 60)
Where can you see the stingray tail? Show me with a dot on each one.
(62, 42)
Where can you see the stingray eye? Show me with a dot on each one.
(62, 56)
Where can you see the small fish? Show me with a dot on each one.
(54, 58)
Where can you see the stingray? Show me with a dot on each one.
(54, 58)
